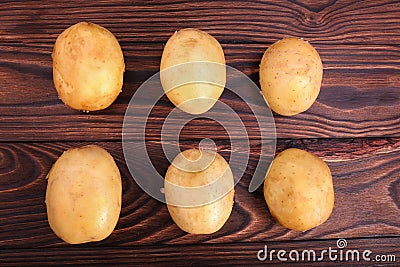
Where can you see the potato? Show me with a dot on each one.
(299, 190)
(290, 76)
(201, 182)
(193, 87)
(83, 195)
(88, 67)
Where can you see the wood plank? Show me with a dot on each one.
(237, 254)
(359, 97)
(365, 174)
(335, 22)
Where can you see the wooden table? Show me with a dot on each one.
(354, 126)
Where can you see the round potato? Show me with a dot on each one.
(193, 71)
(299, 190)
(290, 76)
(88, 67)
(83, 195)
(199, 191)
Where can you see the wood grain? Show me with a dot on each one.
(365, 173)
(357, 42)
(359, 97)
(202, 255)
(354, 126)
(335, 22)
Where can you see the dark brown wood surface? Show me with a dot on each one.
(236, 254)
(361, 79)
(354, 126)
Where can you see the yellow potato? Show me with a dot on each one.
(299, 190)
(199, 191)
(290, 76)
(193, 87)
(83, 195)
(88, 67)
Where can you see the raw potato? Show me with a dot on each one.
(290, 76)
(299, 190)
(194, 88)
(83, 195)
(88, 67)
(193, 170)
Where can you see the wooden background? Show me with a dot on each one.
(354, 126)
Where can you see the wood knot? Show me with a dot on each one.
(314, 6)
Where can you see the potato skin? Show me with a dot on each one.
(299, 190)
(187, 46)
(208, 218)
(83, 196)
(290, 76)
(88, 67)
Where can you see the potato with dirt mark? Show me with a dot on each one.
(298, 190)
(290, 76)
(88, 67)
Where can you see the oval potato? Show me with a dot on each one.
(193, 87)
(299, 190)
(290, 76)
(201, 169)
(83, 196)
(88, 67)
